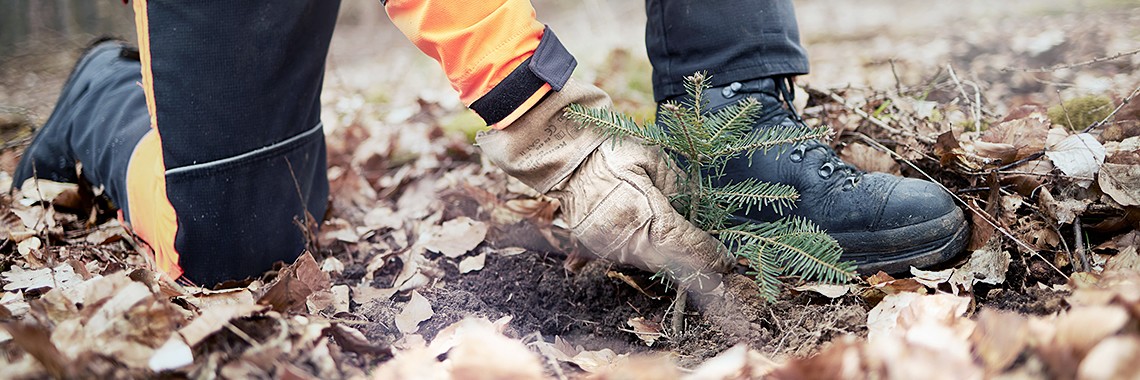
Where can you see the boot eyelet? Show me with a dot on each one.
(797, 153)
(850, 184)
(826, 170)
(730, 90)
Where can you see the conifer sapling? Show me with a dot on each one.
(701, 143)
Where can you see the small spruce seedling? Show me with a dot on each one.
(701, 143)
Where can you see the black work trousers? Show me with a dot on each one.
(732, 40)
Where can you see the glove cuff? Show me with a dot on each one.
(543, 147)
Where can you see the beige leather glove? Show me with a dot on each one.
(613, 195)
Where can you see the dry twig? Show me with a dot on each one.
(1113, 114)
(975, 107)
(1072, 65)
(874, 120)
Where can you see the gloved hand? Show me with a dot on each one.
(614, 195)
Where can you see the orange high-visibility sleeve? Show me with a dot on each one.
(479, 44)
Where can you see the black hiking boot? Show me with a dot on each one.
(86, 122)
(883, 222)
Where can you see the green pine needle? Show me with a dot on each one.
(616, 125)
(751, 193)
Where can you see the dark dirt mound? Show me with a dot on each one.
(590, 309)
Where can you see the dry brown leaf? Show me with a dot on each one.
(294, 285)
(36, 340)
(42, 190)
(353, 340)
(29, 246)
(1079, 155)
(931, 279)
(62, 276)
(128, 324)
(36, 218)
(899, 313)
(172, 354)
(1026, 134)
(340, 298)
(999, 339)
(1037, 172)
(1079, 330)
(987, 265)
(1064, 211)
(215, 318)
(642, 366)
(1112, 358)
(416, 363)
(869, 159)
(383, 217)
(589, 361)
(456, 333)
(827, 290)
(738, 362)
(332, 265)
(109, 232)
(457, 236)
(482, 353)
(951, 154)
(342, 232)
(1121, 182)
(473, 263)
(1126, 259)
(879, 278)
(205, 299)
(646, 330)
(417, 310)
(883, 318)
(363, 294)
(901, 285)
(1001, 151)
(1098, 290)
(1132, 238)
(14, 303)
(597, 361)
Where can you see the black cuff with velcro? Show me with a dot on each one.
(551, 64)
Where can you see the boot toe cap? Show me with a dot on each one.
(914, 202)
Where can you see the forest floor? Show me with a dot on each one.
(431, 263)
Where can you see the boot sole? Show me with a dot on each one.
(899, 261)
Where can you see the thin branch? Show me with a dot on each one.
(1113, 114)
(1072, 65)
(1017, 163)
(1078, 237)
(965, 97)
(874, 120)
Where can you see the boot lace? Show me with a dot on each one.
(831, 166)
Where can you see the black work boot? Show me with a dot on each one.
(883, 222)
(98, 120)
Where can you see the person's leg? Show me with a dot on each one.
(751, 49)
(222, 174)
(99, 118)
(235, 94)
(732, 40)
